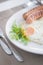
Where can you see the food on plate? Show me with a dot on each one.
(18, 33)
(33, 14)
(28, 32)
(34, 31)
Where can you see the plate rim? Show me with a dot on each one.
(40, 53)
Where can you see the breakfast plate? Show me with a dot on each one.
(30, 46)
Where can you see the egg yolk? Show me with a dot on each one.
(29, 31)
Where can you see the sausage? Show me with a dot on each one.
(25, 15)
(33, 14)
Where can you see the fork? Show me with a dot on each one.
(8, 48)
(32, 3)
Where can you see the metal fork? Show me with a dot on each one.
(8, 48)
(32, 3)
(39, 2)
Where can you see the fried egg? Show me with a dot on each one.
(34, 30)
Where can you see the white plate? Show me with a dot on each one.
(31, 47)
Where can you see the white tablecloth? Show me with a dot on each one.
(10, 4)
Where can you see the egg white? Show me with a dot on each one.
(38, 27)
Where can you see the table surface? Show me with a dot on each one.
(29, 58)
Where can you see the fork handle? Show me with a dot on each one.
(14, 52)
(5, 47)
